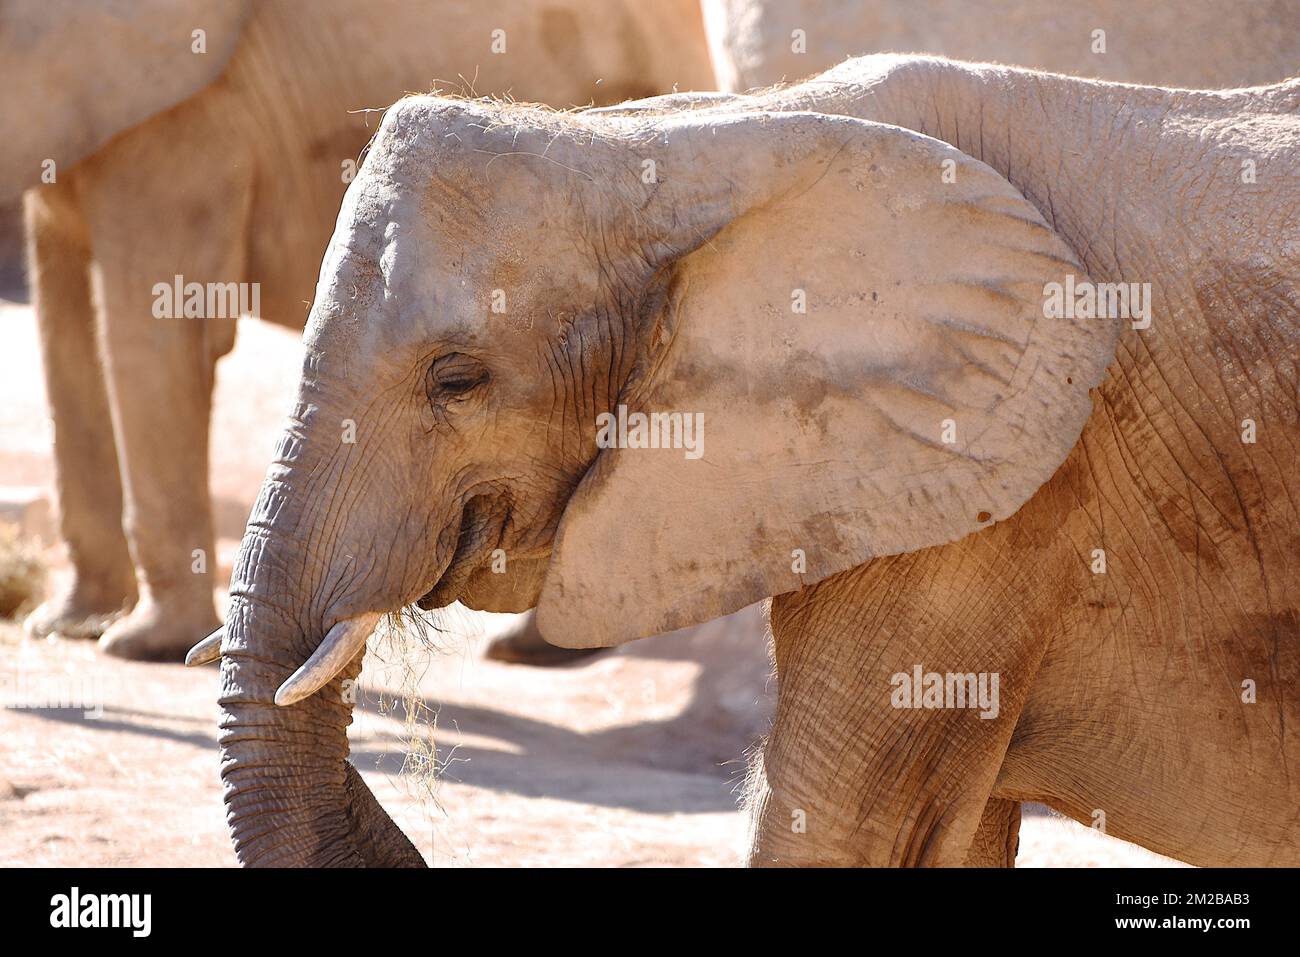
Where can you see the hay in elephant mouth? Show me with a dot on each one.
(477, 529)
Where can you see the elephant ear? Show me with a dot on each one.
(856, 316)
(78, 72)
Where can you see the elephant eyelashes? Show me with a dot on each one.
(453, 376)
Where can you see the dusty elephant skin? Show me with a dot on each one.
(501, 276)
(153, 159)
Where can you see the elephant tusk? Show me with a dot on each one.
(344, 641)
(207, 650)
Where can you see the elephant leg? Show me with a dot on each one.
(102, 585)
(997, 839)
(161, 377)
(161, 374)
(854, 772)
(523, 644)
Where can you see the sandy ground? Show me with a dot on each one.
(632, 758)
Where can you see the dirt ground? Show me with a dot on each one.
(635, 757)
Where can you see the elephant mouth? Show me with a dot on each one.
(482, 525)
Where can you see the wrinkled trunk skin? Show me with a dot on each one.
(292, 798)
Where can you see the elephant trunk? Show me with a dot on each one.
(292, 798)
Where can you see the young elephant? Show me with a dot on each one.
(206, 144)
(892, 412)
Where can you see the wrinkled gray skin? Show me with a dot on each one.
(474, 430)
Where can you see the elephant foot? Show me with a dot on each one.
(80, 611)
(524, 645)
(159, 630)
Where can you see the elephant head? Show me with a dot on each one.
(77, 73)
(852, 339)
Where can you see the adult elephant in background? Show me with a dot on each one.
(209, 141)
(1198, 44)
(938, 461)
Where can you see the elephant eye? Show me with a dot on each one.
(452, 376)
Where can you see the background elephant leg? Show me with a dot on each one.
(523, 644)
(998, 837)
(848, 776)
(85, 459)
(160, 375)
